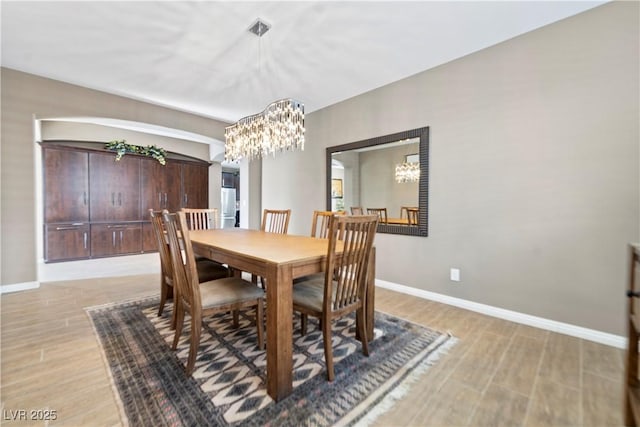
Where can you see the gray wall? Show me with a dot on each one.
(534, 180)
(25, 97)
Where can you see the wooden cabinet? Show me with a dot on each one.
(66, 241)
(114, 188)
(95, 206)
(66, 185)
(161, 186)
(115, 239)
(632, 380)
(195, 186)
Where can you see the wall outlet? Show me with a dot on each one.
(454, 274)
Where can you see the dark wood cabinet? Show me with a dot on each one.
(115, 239)
(160, 185)
(96, 206)
(66, 185)
(114, 188)
(195, 186)
(67, 241)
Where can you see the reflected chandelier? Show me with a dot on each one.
(408, 172)
(280, 127)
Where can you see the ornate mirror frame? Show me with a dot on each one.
(423, 186)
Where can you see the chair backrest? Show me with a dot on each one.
(381, 212)
(412, 216)
(185, 274)
(202, 219)
(357, 210)
(161, 240)
(345, 275)
(320, 225)
(275, 221)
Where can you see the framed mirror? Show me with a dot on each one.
(388, 175)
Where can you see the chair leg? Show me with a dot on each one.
(361, 318)
(328, 349)
(259, 324)
(164, 291)
(303, 324)
(236, 319)
(179, 315)
(196, 329)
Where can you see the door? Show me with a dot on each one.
(195, 186)
(114, 187)
(160, 186)
(66, 185)
(66, 241)
(115, 239)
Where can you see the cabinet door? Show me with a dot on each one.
(66, 241)
(114, 187)
(115, 239)
(66, 185)
(195, 186)
(160, 186)
(149, 243)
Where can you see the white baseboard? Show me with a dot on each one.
(513, 316)
(16, 287)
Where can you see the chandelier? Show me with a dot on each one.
(408, 172)
(280, 127)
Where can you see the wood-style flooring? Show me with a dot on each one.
(499, 373)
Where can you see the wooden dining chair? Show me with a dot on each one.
(202, 219)
(381, 212)
(343, 288)
(357, 210)
(412, 216)
(201, 300)
(275, 221)
(207, 269)
(320, 223)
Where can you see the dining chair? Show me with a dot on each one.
(275, 221)
(381, 212)
(343, 288)
(412, 216)
(320, 223)
(201, 300)
(202, 219)
(207, 269)
(357, 210)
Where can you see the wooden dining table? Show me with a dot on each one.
(279, 258)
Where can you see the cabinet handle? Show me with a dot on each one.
(113, 199)
(116, 226)
(159, 199)
(113, 239)
(121, 236)
(85, 240)
(119, 199)
(165, 200)
(186, 198)
(66, 228)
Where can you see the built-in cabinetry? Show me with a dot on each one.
(95, 206)
(632, 395)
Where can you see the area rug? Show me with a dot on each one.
(228, 384)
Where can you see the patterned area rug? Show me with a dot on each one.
(228, 384)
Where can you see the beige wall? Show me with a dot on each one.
(534, 169)
(25, 97)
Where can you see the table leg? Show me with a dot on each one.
(279, 332)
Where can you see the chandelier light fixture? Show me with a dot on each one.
(408, 172)
(279, 127)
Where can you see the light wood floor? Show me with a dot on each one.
(499, 373)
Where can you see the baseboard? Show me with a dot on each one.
(16, 287)
(513, 316)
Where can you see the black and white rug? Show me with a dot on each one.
(228, 384)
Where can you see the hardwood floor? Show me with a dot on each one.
(499, 373)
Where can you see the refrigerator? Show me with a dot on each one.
(228, 207)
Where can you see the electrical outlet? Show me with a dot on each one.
(454, 274)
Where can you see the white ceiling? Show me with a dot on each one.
(199, 56)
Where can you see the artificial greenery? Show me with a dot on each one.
(121, 148)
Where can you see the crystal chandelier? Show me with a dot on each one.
(280, 127)
(408, 172)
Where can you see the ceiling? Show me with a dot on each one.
(199, 56)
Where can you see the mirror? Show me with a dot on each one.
(389, 172)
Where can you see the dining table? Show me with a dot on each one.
(278, 258)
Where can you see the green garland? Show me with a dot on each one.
(122, 148)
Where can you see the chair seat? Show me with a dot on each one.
(229, 290)
(210, 270)
(315, 277)
(310, 293)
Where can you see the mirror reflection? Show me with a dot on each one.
(383, 176)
